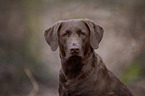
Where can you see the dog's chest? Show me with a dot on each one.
(84, 87)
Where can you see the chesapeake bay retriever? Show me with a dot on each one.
(83, 72)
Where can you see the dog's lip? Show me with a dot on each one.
(74, 54)
(74, 57)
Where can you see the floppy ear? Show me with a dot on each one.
(51, 36)
(96, 33)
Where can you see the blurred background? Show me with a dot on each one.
(28, 67)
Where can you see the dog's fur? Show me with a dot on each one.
(83, 72)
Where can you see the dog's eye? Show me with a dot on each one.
(83, 34)
(65, 34)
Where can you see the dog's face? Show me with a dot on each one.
(74, 37)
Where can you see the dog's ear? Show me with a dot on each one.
(51, 36)
(96, 33)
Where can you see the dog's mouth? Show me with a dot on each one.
(75, 57)
(75, 54)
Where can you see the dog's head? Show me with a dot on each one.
(74, 37)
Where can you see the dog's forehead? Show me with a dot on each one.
(76, 23)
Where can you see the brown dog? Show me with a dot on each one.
(83, 72)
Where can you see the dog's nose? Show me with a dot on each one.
(74, 49)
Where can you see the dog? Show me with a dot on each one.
(82, 72)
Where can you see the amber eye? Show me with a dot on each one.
(83, 34)
(65, 34)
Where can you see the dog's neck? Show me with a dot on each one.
(74, 66)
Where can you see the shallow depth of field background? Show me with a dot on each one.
(29, 68)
